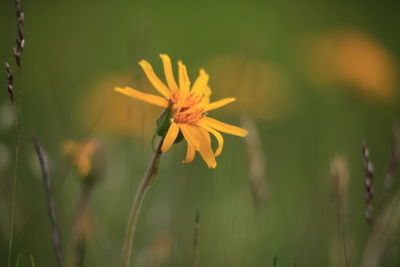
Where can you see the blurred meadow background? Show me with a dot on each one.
(312, 81)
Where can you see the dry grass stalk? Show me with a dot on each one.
(56, 241)
(387, 224)
(340, 177)
(369, 189)
(32, 261)
(394, 158)
(20, 39)
(10, 90)
(256, 162)
(10, 81)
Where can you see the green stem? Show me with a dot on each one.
(145, 184)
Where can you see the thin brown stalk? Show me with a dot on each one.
(394, 158)
(369, 189)
(146, 182)
(56, 241)
(340, 176)
(256, 162)
(32, 261)
(196, 238)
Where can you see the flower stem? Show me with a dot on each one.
(145, 184)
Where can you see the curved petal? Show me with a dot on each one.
(218, 104)
(188, 132)
(169, 74)
(152, 99)
(205, 147)
(217, 135)
(191, 152)
(169, 139)
(223, 127)
(159, 85)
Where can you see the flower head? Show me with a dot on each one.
(85, 156)
(188, 107)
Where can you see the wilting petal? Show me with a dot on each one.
(217, 135)
(152, 99)
(159, 85)
(169, 74)
(170, 137)
(191, 152)
(223, 127)
(220, 103)
(188, 132)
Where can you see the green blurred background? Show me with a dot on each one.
(315, 77)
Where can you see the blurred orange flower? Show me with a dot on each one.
(80, 154)
(188, 107)
(355, 59)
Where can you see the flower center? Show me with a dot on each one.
(190, 117)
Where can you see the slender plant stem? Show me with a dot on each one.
(50, 202)
(196, 238)
(145, 184)
(78, 236)
(14, 186)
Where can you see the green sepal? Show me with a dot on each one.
(163, 123)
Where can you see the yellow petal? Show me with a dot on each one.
(152, 99)
(169, 74)
(191, 152)
(223, 127)
(189, 134)
(220, 103)
(84, 166)
(184, 82)
(205, 147)
(217, 135)
(170, 137)
(159, 85)
(200, 85)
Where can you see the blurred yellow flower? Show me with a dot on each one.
(188, 107)
(355, 59)
(80, 154)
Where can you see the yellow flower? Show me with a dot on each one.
(80, 154)
(189, 107)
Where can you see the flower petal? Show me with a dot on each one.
(200, 85)
(205, 147)
(169, 74)
(189, 134)
(220, 103)
(217, 135)
(184, 82)
(191, 152)
(159, 85)
(223, 127)
(169, 139)
(152, 99)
